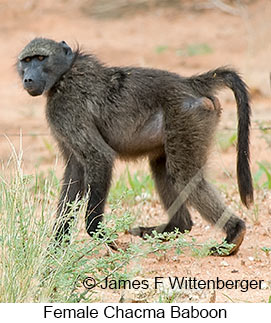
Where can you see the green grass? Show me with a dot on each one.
(131, 188)
(226, 139)
(197, 49)
(266, 250)
(265, 131)
(194, 50)
(32, 269)
(161, 49)
(262, 177)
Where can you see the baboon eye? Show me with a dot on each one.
(27, 59)
(41, 58)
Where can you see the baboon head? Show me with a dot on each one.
(41, 64)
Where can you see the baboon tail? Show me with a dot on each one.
(207, 84)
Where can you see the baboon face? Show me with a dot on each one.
(41, 66)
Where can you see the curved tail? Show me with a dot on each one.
(206, 85)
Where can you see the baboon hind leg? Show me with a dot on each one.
(178, 219)
(187, 151)
(179, 216)
(207, 201)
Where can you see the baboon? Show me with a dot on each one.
(98, 113)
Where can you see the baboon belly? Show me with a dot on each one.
(141, 140)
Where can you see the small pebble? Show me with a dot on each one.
(224, 263)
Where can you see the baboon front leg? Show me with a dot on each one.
(98, 179)
(72, 189)
(88, 174)
(179, 218)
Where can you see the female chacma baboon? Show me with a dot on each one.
(98, 113)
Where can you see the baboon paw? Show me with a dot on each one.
(117, 245)
(222, 251)
(238, 241)
(142, 231)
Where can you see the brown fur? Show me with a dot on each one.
(98, 114)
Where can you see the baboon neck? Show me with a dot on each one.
(87, 62)
(86, 75)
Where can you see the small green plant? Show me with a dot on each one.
(140, 183)
(119, 190)
(266, 250)
(226, 140)
(161, 49)
(179, 242)
(262, 178)
(194, 50)
(132, 187)
(254, 215)
(167, 296)
(265, 130)
(41, 180)
(221, 249)
(49, 146)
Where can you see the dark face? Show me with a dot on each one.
(39, 73)
(34, 76)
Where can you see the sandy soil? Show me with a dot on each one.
(242, 41)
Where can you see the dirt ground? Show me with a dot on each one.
(153, 38)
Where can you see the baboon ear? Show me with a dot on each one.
(66, 48)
